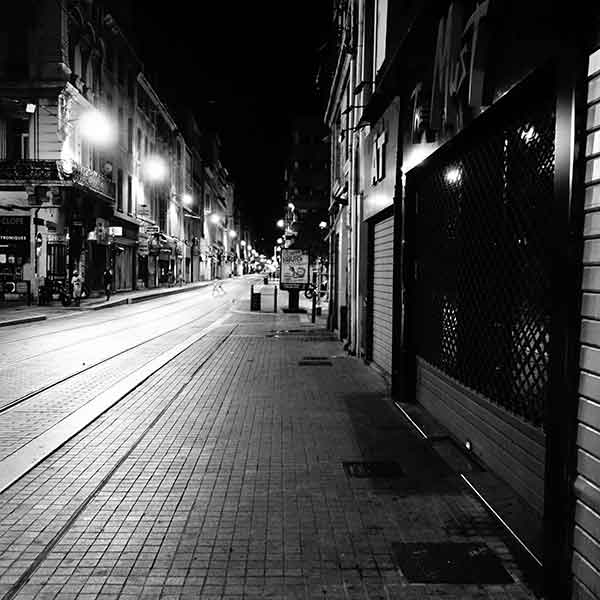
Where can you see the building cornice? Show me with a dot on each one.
(141, 78)
(341, 71)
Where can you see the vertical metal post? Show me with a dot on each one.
(560, 422)
(275, 299)
(314, 307)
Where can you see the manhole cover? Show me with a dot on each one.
(315, 363)
(450, 562)
(373, 469)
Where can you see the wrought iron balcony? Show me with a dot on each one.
(55, 172)
(30, 171)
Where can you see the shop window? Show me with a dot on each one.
(378, 160)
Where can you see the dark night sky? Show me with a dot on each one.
(257, 61)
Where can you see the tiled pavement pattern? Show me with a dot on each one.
(29, 363)
(32, 417)
(237, 490)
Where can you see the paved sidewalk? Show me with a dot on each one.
(261, 462)
(16, 313)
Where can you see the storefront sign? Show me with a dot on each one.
(56, 238)
(294, 269)
(458, 67)
(14, 235)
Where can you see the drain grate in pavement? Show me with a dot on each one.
(387, 468)
(315, 363)
(450, 562)
(304, 335)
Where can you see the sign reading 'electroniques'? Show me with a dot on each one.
(14, 235)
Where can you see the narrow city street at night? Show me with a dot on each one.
(299, 300)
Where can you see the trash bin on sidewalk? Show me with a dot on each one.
(254, 299)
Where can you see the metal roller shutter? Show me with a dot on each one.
(586, 535)
(383, 262)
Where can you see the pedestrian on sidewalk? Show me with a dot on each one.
(108, 282)
(77, 285)
(217, 286)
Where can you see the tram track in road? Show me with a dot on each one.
(147, 308)
(17, 401)
(47, 549)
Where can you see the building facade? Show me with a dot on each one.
(463, 184)
(94, 169)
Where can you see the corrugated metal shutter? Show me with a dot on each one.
(383, 263)
(586, 537)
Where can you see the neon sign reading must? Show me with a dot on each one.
(458, 62)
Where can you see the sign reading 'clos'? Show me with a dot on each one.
(14, 235)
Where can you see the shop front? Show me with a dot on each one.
(14, 249)
(162, 260)
(124, 253)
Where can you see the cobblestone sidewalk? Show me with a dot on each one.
(237, 473)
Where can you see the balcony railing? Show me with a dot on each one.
(56, 172)
(17, 171)
(88, 178)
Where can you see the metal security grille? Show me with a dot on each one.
(483, 229)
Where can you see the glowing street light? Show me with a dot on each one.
(242, 243)
(453, 175)
(232, 234)
(215, 218)
(187, 199)
(291, 206)
(280, 223)
(323, 225)
(155, 168)
(95, 127)
(280, 240)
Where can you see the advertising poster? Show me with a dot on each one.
(294, 269)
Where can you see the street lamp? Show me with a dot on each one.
(187, 199)
(95, 127)
(215, 218)
(280, 223)
(280, 240)
(323, 225)
(155, 168)
(232, 234)
(242, 243)
(291, 206)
